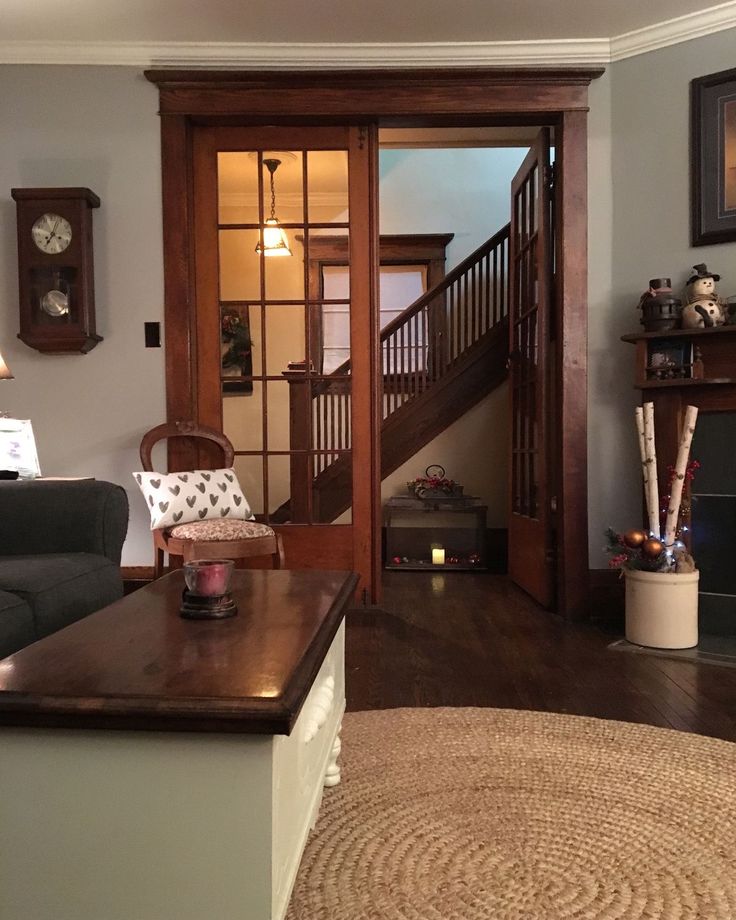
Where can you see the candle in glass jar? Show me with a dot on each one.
(208, 577)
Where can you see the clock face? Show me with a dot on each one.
(51, 233)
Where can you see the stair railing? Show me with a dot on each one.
(418, 347)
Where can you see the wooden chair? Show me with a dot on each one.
(252, 539)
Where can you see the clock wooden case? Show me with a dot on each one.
(55, 269)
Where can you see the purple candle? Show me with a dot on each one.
(208, 577)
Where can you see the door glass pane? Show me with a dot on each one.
(249, 471)
(242, 418)
(279, 487)
(240, 265)
(285, 334)
(287, 432)
(335, 335)
(303, 474)
(285, 274)
(237, 187)
(285, 200)
(328, 186)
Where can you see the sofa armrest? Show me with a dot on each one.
(78, 516)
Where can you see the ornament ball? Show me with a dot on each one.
(652, 548)
(634, 538)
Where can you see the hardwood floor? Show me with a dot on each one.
(477, 640)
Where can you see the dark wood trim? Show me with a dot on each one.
(365, 353)
(367, 93)
(554, 96)
(179, 312)
(571, 355)
(137, 572)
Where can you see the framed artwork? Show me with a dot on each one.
(18, 448)
(235, 350)
(669, 359)
(713, 158)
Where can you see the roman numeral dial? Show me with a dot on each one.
(51, 233)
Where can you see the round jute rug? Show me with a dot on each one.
(488, 814)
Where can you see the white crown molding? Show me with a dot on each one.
(334, 56)
(309, 56)
(673, 31)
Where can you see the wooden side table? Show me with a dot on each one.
(456, 525)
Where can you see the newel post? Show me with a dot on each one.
(300, 415)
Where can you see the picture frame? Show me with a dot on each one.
(18, 448)
(713, 158)
(236, 350)
(669, 359)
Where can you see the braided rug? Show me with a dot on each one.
(488, 814)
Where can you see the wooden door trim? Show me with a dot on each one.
(555, 96)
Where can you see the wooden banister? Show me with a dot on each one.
(432, 338)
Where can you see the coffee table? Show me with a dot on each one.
(157, 768)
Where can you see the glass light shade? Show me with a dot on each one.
(4, 370)
(273, 241)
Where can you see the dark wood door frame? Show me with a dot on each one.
(555, 97)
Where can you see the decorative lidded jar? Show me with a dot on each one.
(660, 309)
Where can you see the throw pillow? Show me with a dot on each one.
(194, 495)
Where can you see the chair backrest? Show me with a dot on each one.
(184, 429)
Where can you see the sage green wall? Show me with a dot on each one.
(650, 134)
(95, 127)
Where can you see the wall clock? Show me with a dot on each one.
(55, 269)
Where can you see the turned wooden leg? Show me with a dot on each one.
(332, 773)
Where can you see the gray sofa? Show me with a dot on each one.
(60, 546)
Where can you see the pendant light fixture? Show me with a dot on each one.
(273, 240)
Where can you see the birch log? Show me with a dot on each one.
(686, 439)
(639, 412)
(655, 528)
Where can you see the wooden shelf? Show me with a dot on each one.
(684, 382)
(419, 566)
(676, 333)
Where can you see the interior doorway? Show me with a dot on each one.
(369, 101)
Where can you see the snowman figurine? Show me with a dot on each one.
(703, 307)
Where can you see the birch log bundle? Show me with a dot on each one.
(647, 451)
(683, 455)
(652, 482)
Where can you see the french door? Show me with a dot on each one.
(531, 560)
(306, 441)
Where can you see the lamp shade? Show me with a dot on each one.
(274, 240)
(4, 370)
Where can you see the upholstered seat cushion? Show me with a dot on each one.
(217, 531)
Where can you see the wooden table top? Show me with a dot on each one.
(138, 665)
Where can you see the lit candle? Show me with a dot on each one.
(438, 555)
(208, 577)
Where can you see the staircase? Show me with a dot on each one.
(441, 356)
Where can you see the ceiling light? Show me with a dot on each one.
(273, 240)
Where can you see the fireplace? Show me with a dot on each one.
(713, 525)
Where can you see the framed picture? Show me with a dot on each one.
(713, 158)
(236, 349)
(669, 359)
(18, 448)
